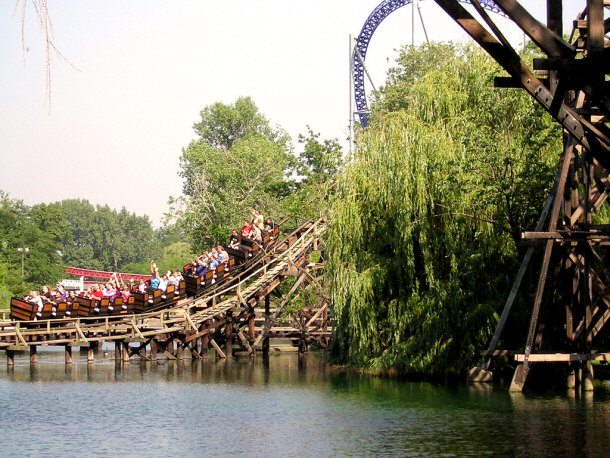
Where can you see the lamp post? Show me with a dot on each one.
(23, 251)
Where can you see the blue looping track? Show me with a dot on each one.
(383, 10)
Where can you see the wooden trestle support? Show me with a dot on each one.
(220, 317)
(573, 288)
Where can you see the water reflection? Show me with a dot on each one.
(281, 406)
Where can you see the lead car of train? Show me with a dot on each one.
(192, 285)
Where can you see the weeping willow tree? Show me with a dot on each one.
(422, 230)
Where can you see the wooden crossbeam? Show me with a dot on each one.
(20, 336)
(188, 319)
(205, 331)
(170, 355)
(217, 348)
(600, 289)
(80, 331)
(316, 315)
(562, 357)
(135, 328)
(243, 339)
(275, 316)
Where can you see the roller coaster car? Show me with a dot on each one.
(238, 256)
(140, 301)
(47, 311)
(85, 307)
(169, 295)
(101, 307)
(154, 298)
(60, 310)
(26, 311)
(116, 306)
(195, 282)
(180, 292)
(22, 310)
(230, 266)
(127, 307)
(247, 250)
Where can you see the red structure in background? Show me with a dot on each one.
(98, 274)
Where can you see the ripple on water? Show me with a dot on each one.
(286, 409)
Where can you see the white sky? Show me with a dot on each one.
(146, 68)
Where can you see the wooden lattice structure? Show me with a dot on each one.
(217, 319)
(571, 83)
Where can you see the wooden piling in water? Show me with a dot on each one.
(117, 352)
(251, 332)
(10, 357)
(68, 354)
(179, 350)
(125, 352)
(587, 376)
(153, 350)
(169, 349)
(205, 341)
(33, 354)
(267, 318)
(229, 336)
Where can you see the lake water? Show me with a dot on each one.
(245, 407)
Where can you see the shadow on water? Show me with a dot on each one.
(282, 405)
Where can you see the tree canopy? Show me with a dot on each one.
(422, 231)
(240, 162)
(73, 233)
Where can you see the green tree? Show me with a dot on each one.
(320, 161)
(19, 229)
(422, 231)
(318, 164)
(103, 239)
(238, 163)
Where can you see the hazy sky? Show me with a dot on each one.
(141, 71)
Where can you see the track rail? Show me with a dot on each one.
(198, 316)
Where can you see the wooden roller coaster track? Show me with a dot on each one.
(217, 317)
(571, 306)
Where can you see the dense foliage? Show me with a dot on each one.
(18, 229)
(423, 228)
(78, 234)
(240, 162)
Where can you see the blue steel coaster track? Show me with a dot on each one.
(383, 10)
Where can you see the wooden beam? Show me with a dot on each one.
(20, 336)
(204, 332)
(188, 319)
(563, 357)
(595, 30)
(521, 372)
(517, 283)
(546, 39)
(276, 315)
(219, 352)
(316, 316)
(136, 329)
(229, 336)
(170, 355)
(243, 339)
(554, 16)
(80, 331)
